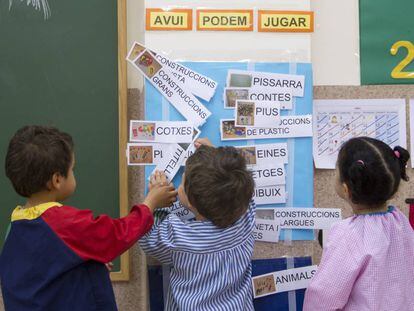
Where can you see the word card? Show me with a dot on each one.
(270, 195)
(264, 153)
(266, 230)
(282, 281)
(195, 82)
(171, 88)
(181, 211)
(270, 174)
(172, 162)
(161, 131)
(289, 126)
(307, 218)
(283, 96)
(257, 114)
(255, 79)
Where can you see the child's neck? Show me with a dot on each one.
(199, 217)
(40, 198)
(360, 209)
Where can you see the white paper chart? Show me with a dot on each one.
(336, 121)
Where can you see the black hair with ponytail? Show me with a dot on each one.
(371, 170)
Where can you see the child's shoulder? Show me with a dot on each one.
(42, 210)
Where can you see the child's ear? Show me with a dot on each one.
(345, 188)
(54, 182)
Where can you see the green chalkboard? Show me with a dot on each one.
(383, 23)
(63, 71)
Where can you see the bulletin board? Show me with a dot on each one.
(299, 180)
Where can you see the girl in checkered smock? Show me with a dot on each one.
(368, 262)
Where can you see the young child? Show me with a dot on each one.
(54, 255)
(210, 257)
(368, 262)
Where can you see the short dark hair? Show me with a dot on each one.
(34, 154)
(218, 184)
(371, 170)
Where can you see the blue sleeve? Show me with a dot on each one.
(158, 242)
(252, 209)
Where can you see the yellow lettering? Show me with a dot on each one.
(225, 20)
(397, 72)
(176, 19)
(285, 21)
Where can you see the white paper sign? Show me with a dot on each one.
(269, 195)
(266, 230)
(283, 96)
(255, 79)
(336, 121)
(269, 174)
(282, 281)
(307, 218)
(257, 113)
(161, 131)
(289, 126)
(150, 153)
(195, 82)
(181, 211)
(264, 153)
(171, 88)
(172, 162)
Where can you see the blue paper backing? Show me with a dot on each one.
(299, 149)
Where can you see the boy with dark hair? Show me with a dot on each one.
(210, 257)
(54, 255)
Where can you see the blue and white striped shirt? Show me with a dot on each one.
(210, 267)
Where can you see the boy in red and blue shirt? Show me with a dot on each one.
(54, 255)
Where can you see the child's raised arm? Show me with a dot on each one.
(158, 243)
(104, 238)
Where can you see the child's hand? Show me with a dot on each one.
(161, 193)
(160, 196)
(109, 265)
(203, 141)
(157, 179)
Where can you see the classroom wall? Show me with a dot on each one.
(131, 296)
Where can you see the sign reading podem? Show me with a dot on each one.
(225, 20)
(175, 19)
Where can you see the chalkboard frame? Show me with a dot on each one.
(124, 273)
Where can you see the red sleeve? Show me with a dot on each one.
(102, 238)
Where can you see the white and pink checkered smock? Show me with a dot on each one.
(367, 264)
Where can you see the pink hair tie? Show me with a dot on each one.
(360, 162)
(397, 154)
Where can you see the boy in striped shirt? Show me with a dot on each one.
(210, 257)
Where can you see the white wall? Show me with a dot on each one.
(335, 42)
(333, 48)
